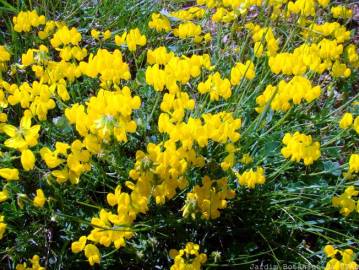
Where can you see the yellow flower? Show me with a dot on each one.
(23, 137)
(181, 261)
(120, 40)
(330, 251)
(188, 30)
(107, 35)
(346, 260)
(35, 261)
(159, 56)
(216, 87)
(135, 38)
(3, 226)
(39, 199)
(95, 34)
(109, 65)
(93, 254)
(27, 159)
(300, 147)
(35, 264)
(246, 159)
(208, 198)
(27, 19)
(346, 121)
(354, 163)
(241, 71)
(4, 54)
(323, 3)
(345, 201)
(159, 23)
(4, 195)
(356, 124)
(65, 36)
(51, 159)
(9, 174)
(251, 178)
(282, 96)
(79, 246)
(341, 12)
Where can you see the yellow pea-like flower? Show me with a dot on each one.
(9, 174)
(39, 199)
(79, 245)
(3, 226)
(27, 159)
(93, 254)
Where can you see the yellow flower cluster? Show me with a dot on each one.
(132, 39)
(241, 71)
(341, 12)
(228, 10)
(189, 14)
(71, 161)
(220, 128)
(189, 30)
(159, 23)
(35, 56)
(3, 226)
(263, 38)
(175, 70)
(176, 104)
(216, 87)
(305, 7)
(156, 174)
(229, 160)
(49, 29)
(109, 65)
(108, 229)
(346, 201)
(160, 172)
(91, 251)
(27, 19)
(223, 15)
(208, 198)
(65, 36)
(316, 57)
(299, 147)
(35, 264)
(333, 29)
(348, 121)
(346, 262)
(251, 178)
(242, 4)
(159, 56)
(188, 258)
(67, 53)
(105, 115)
(36, 98)
(184, 30)
(282, 96)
